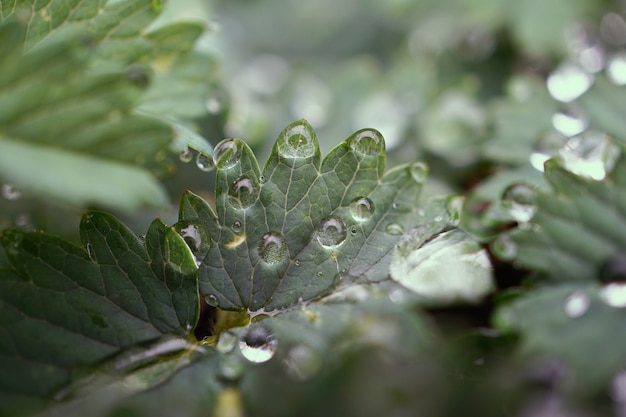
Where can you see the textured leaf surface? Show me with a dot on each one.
(64, 308)
(301, 226)
(577, 226)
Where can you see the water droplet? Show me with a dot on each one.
(519, 200)
(367, 142)
(577, 304)
(226, 342)
(592, 155)
(614, 294)
(570, 122)
(362, 209)
(214, 104)
(211, 299)
(319, 274)
(353, 231)
(419, 172)
(227, 153)
(237, 227)
(297, 141)
(504, 247)
(616, 69)
(231, 367)
(331, 232)
(302, 362)
(297, 262)
(9, 192)
(245, 190)
(195, 236)
(205, 162)
(568, 82)
(272, 248)
(454, 207)
(258, 344)
(185, 155)
(89, 250)
(394, 229)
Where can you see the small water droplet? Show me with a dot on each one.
(9, 192)
(454, 207)
(245, 190)
(331, 232)
(227, 342)
(141, 238)
(394, 229)
(185, 155)
(211, 299)
(353, 230)
(577, 304)
(319, 274)
(89, 250)
(367, 142)
(205, 162)
(237, 226)
(362, 209)
(419, 172)
(227, 153)
(570, 122)
(568, 82)
(195, 237)
(214, 104)
(297, 262)
(302, 362)
(614, 294)
(520, 200)
(297, 141)
(504, 247)
(258, 345)
(272, 248)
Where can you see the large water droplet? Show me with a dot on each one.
(577, 304)
(302, 362)
(614, 294)
(616, 69)
(258, 344)
(195, 236)
(185, 155)
(394, 229)
(592, 155)
(367, 142)
(570, 122)
(205, 162)
(520, 201)
(331, 232)
(226, 342)
(245, 190)
(504, 247)
(297, 141)
(419, 172)
(272, 248)
(362, 209)
(568, 82)
(9, 192)
(227, 153)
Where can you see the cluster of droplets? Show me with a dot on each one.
(226, 154)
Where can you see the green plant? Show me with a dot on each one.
(462, 279)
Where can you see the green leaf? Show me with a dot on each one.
(64, 308)
(300, 227)
(572, 323)
(603, 105)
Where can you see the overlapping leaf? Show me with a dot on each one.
(64, 308)
(295, 230)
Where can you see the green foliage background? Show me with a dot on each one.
(473, 259)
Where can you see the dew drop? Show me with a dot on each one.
(214, 104)
(454, 207)
(211, 299)
(419, 172)
(245, 190)
(227, 153)
(272, 248)
(367, 142)
(226, 342)
(302, 363)
(89, 250)
(504, 247)
(185, 155)
(394, 229)
(614, 294)
(520, 201)
(362, 209)
(9, 192)
(568, 82)
(331, 232)
(570, 122)
(297, 262)
(576, 305)
(205, 162)
(237, 226)
(319, 274)
(258, 345)
(297, 141)
(592, 155)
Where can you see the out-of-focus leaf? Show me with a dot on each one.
(603, 104)
(300, 227)
(65, 308)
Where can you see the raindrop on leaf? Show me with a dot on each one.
(394, 229)
(454, 207)
(205, 162)
(272, 248)
(520, 201)
(367, 142)
(570, 122)
(419, 172)
(258, 344)
(297, 141)
(331, 232)
(227, 342)
(362, 209)
(237, 226)
(576, 305)
(185, 155)
(227, 153)
(245, 190)
(504, 247)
